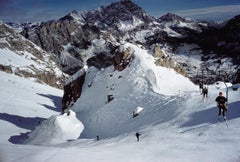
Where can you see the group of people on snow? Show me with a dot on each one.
(221, 100)
(221, 104)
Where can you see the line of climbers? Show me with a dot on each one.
(221, 100)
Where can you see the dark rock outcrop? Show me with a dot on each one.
(72, 91)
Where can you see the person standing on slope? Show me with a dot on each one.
(222, 106)
(138, 135)
(205, 93)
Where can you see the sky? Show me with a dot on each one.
(43, 10)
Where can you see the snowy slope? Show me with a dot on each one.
(192, 135)
(27, 62)
(25, 104)
(175, 124)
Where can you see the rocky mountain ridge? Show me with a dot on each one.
(74, 37)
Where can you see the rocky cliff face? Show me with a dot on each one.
(23, 58)
(72, 91)
(71, 37)
(64, 38)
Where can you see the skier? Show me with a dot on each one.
(200, 87)
(138, 135)
(205, 93)
(222, 105)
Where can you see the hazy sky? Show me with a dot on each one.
(43, 10)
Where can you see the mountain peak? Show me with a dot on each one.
(127, 5)
(171, 17)
(121, 11)
(74, 15)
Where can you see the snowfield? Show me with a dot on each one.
(174, 122)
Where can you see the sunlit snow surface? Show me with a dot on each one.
(175, 123)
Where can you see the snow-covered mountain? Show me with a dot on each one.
(129, 73)
(80, 36)
(21, 57)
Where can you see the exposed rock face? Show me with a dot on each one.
(224, 41)
(162, 59)
(16, 42)
(64, 38)
(39, 64)
(122, 59)
(6, 69)
(72, 91)
(100, 61)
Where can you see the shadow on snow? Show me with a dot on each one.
(211, 115)
(28, 123)
(57, 101)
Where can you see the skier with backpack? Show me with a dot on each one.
(222, 105)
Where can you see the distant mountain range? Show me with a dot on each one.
(74, 38)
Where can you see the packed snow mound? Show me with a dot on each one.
(56, 129)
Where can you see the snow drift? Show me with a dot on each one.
(57, 129)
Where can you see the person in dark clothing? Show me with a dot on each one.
(200, 87)
(138, 135)
(221, 103)
(205, 92)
